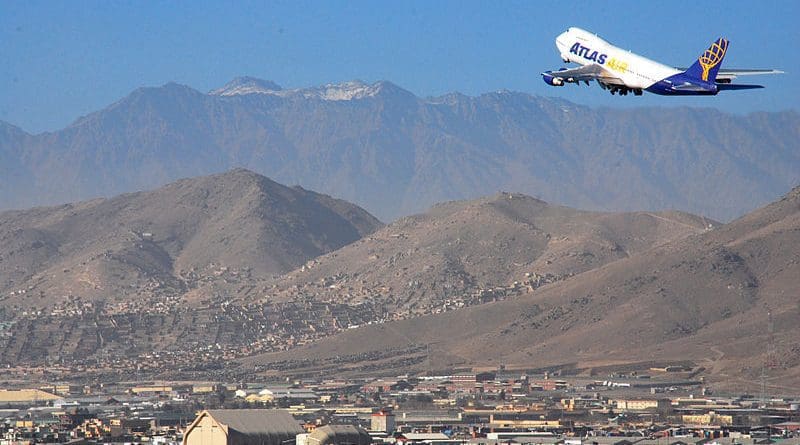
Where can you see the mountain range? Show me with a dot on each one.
(396, 154)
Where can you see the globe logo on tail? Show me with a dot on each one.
(712, 56)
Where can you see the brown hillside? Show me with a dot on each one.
(169, 265)
(464, 248)
(165, 242)
(704, 298)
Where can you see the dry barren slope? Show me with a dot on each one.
(704, 298)
(460, 247)
(159, 242)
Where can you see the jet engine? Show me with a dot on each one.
(552, 80)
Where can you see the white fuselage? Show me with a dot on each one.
(584, 48)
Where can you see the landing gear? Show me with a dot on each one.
(623, 91)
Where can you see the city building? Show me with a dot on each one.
(383, 421)
(242, 426)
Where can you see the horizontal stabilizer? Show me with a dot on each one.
(740, 72)
(737, 86)
(748, 72)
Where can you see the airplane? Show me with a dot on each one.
(620, 71)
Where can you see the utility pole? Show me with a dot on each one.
(770, 359)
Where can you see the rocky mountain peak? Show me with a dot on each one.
(10, 129)
(794, 193)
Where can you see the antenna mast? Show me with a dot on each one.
(770, 358)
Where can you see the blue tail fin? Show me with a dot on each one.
(707, 65)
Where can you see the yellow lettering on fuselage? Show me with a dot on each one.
(617, 65)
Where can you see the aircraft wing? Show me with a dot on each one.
(586, 73)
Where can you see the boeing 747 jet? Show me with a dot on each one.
(621, 71)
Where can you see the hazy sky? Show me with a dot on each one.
(63, 59)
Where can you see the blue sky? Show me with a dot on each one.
(63, 59)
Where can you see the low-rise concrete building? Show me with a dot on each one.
(27, 397)
(383, 421)
(243, 426)
(641, 404)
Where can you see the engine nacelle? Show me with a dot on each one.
(552, 80)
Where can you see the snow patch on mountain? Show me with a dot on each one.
(355, 89)
(347, 90)
(246, 85)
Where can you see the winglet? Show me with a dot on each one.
(707, 65)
